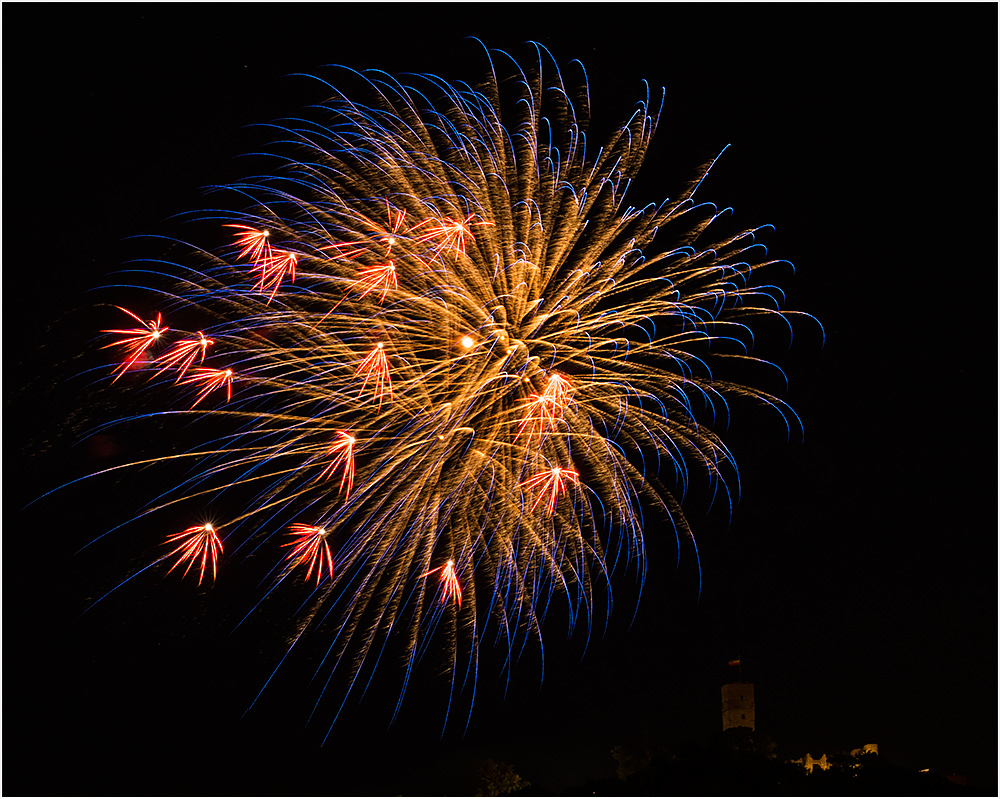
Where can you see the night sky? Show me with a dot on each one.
(855, 579)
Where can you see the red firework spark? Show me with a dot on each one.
(344, 449)
(137, 340)
(557, 389)
(212, 379)
(381, 275)
(254, 243)
(183, 354)
(552, 483)
(543, 409)
(389, 237)
(539, 416)
(375, 367)
(450, 233)
(344, 249)
(451, 588)
(198, 543)
(275, 269)
(310, 547)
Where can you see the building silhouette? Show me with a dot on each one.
(737, 701)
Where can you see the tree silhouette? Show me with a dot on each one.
(498, 779)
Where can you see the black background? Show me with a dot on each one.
(856, 579)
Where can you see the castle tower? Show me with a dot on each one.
(737, 702)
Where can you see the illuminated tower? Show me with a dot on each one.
(737, 702)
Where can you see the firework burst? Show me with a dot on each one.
(344, 460)
(512, 343)
(310, 547)
(183, 354)
(451, 587)
(196, 543)
(211, 379)
(137, 340)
